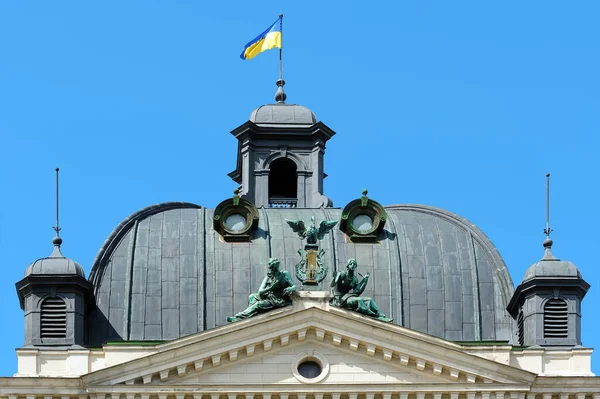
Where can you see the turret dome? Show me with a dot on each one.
(551, 267)
(55, 264)
(283, 114)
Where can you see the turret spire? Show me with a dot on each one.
(57, 240)
(548, 242)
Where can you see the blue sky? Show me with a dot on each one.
(460, 105)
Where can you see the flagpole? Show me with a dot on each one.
(280, 95)
(281, 48)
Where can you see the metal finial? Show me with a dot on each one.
(364, 200)
(236, 196)
(548, 242)
(57, 240)
(280, 95)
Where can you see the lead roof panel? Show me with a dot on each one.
(171, 274)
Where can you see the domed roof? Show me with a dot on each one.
(54, 264)
(283, 114)
(549, 266)
(171, 274)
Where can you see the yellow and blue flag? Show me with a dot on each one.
(267, 40)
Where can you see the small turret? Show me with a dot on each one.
(280, 156)
(547, 303)
(54, 295)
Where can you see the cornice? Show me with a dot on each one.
(339, 328)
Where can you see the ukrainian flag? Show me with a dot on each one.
(267, 40)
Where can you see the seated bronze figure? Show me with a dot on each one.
(346, 290)
(274, 292)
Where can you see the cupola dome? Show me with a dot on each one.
(54, 264)
(549, 266)
(283, 114)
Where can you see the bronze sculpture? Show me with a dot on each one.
(311, 269)
(274, 292)
(346, 290)
(312, 234)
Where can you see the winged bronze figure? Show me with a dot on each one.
(312, 234)
(311, 269)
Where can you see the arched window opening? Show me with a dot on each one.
(283, 184)
(556, 319)
(53, 318)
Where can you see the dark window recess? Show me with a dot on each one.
(521, 328)
(309, 369)
(556, 319)
(283, 184)
(53, 318)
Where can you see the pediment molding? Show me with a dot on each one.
(342, 329)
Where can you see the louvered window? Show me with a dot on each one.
(54, 318)
(521, 328)
(556, 319)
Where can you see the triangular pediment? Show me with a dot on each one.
(329, 364)
(266, 350)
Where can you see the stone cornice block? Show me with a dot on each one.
(301, 334)
(267, 344)
(371, 349)
(285, 339)
(216, 360)
(387, 354)
(198, 364)
(337, 339)
(320, 333)
(164, 374)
